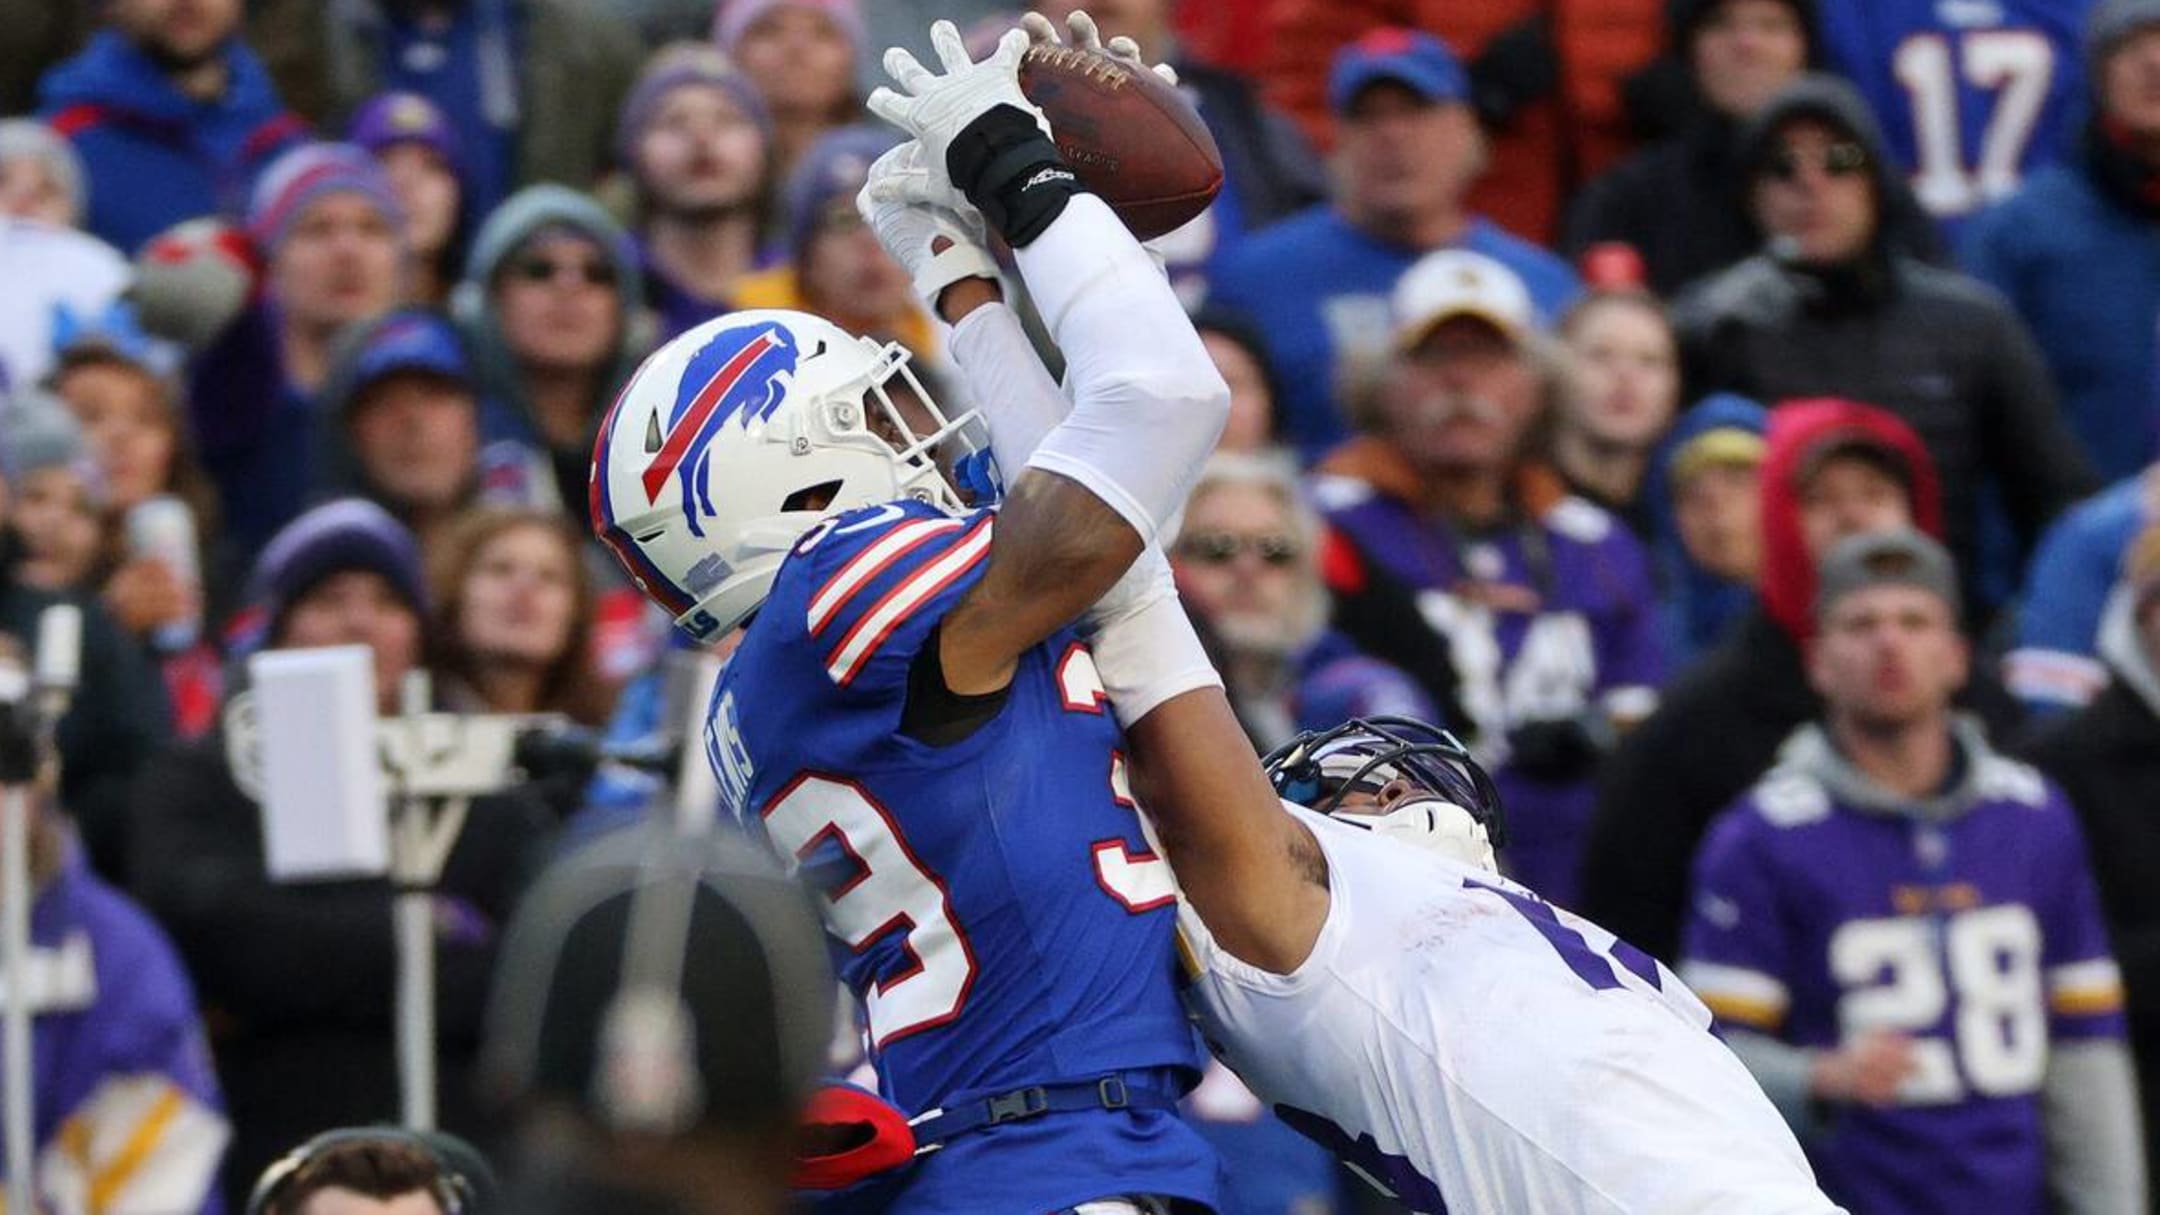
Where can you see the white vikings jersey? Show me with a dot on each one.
(1470, 1048)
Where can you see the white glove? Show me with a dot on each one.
(934, 108)
(1087, 37)
(913, 210)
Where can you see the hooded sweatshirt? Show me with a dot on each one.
(507, 411)
(1719, 725)
(1935, 348)
(133, 128)
(1967, 920)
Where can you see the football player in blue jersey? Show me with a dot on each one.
(910, 716)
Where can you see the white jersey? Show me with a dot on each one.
(1468, 1047)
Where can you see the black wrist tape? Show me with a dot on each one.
(1012, 173)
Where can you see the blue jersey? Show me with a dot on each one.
(1972, 94)
(992, 902)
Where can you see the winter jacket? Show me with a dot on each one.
(1718, 726)
(1545, 77)
(2082, 268)
(298, 981)
(117, 722)
(2056, 664)
(1316, 288)
(153, 155)
(1938, 349)
(2107, 758)
(259, 433)
(573, 62)
(127, 1111)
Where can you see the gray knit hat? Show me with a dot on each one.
(2111, 22)
(27, 138)
(38, 431)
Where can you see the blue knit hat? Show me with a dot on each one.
(335, 538)
(2111, 22)
(310, 172)
(834, 167)
(671, 67)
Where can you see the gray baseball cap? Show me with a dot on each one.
(1896, 558)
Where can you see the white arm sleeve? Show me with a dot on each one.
(2096, 1155)
(1145, 648)
(1148, 403)
(1008, 382)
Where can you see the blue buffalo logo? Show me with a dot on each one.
(735, 377)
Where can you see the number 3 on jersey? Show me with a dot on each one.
(887, 889)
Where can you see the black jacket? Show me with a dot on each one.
(118, 721)
(298, 982)
(1935, 348)
(1940, 350)
(1276, 171)
(2107, 759)
(1677, 203)
(1715, 732)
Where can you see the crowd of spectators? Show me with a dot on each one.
(1594, 364)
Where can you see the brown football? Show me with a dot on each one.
(1133, 139)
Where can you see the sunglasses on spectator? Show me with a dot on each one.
(1222, 548)
(592, 273)
(1838, 160)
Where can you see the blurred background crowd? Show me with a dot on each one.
(1564, 336)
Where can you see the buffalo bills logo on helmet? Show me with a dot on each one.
(735, 377)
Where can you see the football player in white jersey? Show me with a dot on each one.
(1459, 1041)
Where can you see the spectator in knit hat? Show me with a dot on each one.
(836, 268)
(57, 496)
(331, 237)
(697, 142)
(174, 116)
(2107, 758)
(1241, 355)
(129, 406)
(418, 150)
(403, 421)
(1830, 469)
(41, 177)
(801, 55)
(297, 981)
(551, 305)
(119, 717)
(530, 86)
(1705, 497)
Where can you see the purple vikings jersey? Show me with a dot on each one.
(1979, 935)
(1564, 627)
(1972, 94)
(992, 902)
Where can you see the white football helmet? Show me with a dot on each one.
(737, 437)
